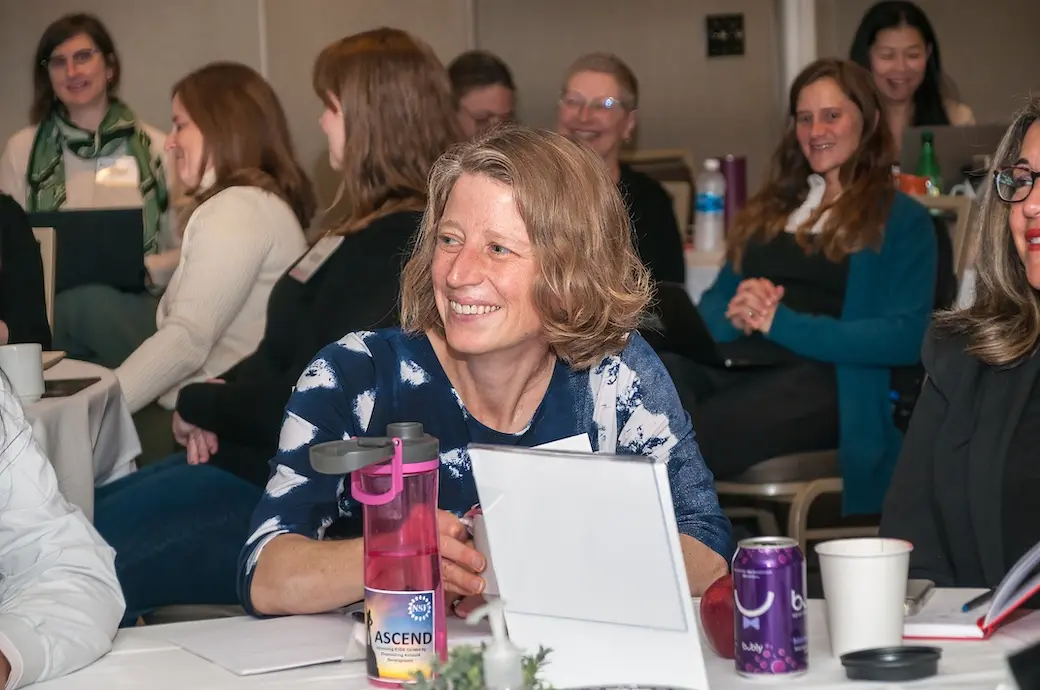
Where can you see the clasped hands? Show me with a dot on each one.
(754, 305)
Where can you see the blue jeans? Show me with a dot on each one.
(177, 530)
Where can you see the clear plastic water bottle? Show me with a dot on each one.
(709, 225)
(395, 479)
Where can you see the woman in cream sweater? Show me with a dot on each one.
(80, 129)
(232, 150)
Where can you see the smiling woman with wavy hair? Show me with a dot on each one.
(519, 309)
(828, 285)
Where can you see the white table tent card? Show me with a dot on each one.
(586, 553)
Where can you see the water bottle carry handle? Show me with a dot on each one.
(396, 480)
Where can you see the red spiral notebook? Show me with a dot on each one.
(941, 616)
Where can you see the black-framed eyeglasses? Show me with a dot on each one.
(79, 58)
(1014, 183)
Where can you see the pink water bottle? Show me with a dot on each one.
(395, 479)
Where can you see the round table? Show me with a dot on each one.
(89, 437)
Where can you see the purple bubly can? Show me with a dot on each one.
(769, 606)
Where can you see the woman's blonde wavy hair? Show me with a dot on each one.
(1003, 323)
(592, 287)
(399, 116)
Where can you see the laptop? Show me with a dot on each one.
(954, 147)
(686, 334)
(96, 246)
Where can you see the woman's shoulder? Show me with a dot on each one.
(636, 368)
(946, 358)
(642, 185)
(20, 144)
(239, 201)
(959, 114)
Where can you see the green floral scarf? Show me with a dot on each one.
(46, 170)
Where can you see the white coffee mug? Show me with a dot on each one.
(22, 364)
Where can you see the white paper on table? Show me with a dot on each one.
(249, 646)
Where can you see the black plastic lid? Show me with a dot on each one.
(892, 663)
(344, 457)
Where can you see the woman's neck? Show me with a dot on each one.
(833, 189)
(88, 117)
(501, 390)
(900, 114)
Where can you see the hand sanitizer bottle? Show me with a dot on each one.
(503, 662)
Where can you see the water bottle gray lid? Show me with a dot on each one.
(711, 164)
(344, 457)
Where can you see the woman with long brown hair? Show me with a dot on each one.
(965, 489)
(251, 200)
(388, 116)
(828, 285)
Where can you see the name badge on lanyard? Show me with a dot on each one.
(117, 171)
(315, 258)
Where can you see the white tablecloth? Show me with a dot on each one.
(89, 437)
(143, 658)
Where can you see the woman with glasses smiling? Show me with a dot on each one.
(72, 156)
(965, 489)
(598, 108)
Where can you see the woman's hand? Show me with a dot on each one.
(754, 305)
(460, 562)
(202, 445)
(199, 443)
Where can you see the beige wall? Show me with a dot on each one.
(710, 107)
(990, 50)
(161, 41)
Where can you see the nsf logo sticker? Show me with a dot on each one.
(420, 608)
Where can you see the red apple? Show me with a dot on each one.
(717, 616)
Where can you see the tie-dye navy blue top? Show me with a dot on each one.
(356, 386)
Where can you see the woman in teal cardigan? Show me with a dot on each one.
(830, 282)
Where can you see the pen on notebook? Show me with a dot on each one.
(977, 601)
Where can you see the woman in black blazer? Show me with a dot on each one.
(966, 491)
(23, 306)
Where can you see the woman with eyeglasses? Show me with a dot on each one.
(86, 149)
(483, 90)
(597, 107)
(965, 489)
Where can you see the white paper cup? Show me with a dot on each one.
(480, 543)
(864, 586)
(23, 365)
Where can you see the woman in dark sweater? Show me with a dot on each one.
(598, 107)
(23, 305)
(965, 489)
(828, 284)
(388, 116)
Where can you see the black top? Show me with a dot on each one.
(355, 289)
(1020, 514)
(813, 284)
(23, 302)
(950, 495)
(657, 237)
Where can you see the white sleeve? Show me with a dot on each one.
(12, 174)
(60, 600)
(230, 236)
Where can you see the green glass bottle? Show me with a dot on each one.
(928, 165)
